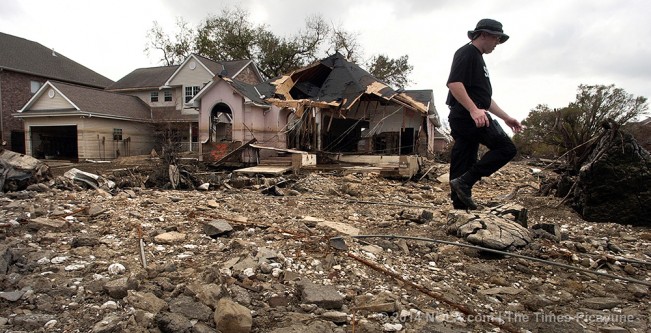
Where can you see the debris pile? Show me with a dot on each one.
(17, 171)
(230, 259)
(615, 183)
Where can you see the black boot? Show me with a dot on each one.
(462, 187)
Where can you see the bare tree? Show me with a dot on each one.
(175, 49)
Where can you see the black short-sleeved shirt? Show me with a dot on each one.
(469, 68)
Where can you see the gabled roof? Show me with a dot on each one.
(224, 68)
(89, 101)
(333, 81)
(248, 91)
(144, 78)
(25, 56)
(214, 68)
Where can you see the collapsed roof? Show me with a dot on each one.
(333, 82)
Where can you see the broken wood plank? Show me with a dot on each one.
(265, 169)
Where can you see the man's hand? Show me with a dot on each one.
(480, 118)
(515, 125)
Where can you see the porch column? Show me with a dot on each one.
(190, 136)
(317, 127)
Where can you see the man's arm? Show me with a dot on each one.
(461, 95)
(512, 122)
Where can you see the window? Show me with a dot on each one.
(117, 134)
(154, 96)
(190, 92)
(168, 95)
(35, 86)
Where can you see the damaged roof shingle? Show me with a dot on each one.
(333, 81)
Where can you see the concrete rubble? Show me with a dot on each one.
(238, 260)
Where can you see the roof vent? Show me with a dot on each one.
(53, 53)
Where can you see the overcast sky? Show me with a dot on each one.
(555, 45)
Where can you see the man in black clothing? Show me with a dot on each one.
(470, 100)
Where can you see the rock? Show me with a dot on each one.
(325, 296)
(116, 269)
(187, 307)
(336, 317)
(388, 327)
(118, 288)
(95, 210)
(216, 228)
(202, 328)
(172, 237)
(32, 322)
(12, 296)
(208, 294)
(487, 230)
(549, 231)
(46, 222)
(342, 228)
(514, 212)
(172, 323)
(231, 317)
(146, 301)
(109, 324)
(638, 290)
(89, 241)
(601, 303)
(245, 263)
(276, 301)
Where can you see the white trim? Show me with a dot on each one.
(192, 56)
(200, 93)
(78, 113)
(228, 81)
(41, 92)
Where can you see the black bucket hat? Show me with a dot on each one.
(492, 27)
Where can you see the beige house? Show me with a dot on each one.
(65, 121)
(168, 91)
(24, 67)
(150, 108)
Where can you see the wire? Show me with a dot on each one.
(646, 283)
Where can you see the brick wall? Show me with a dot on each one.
(15, 91)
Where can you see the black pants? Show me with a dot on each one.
(463, 158)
